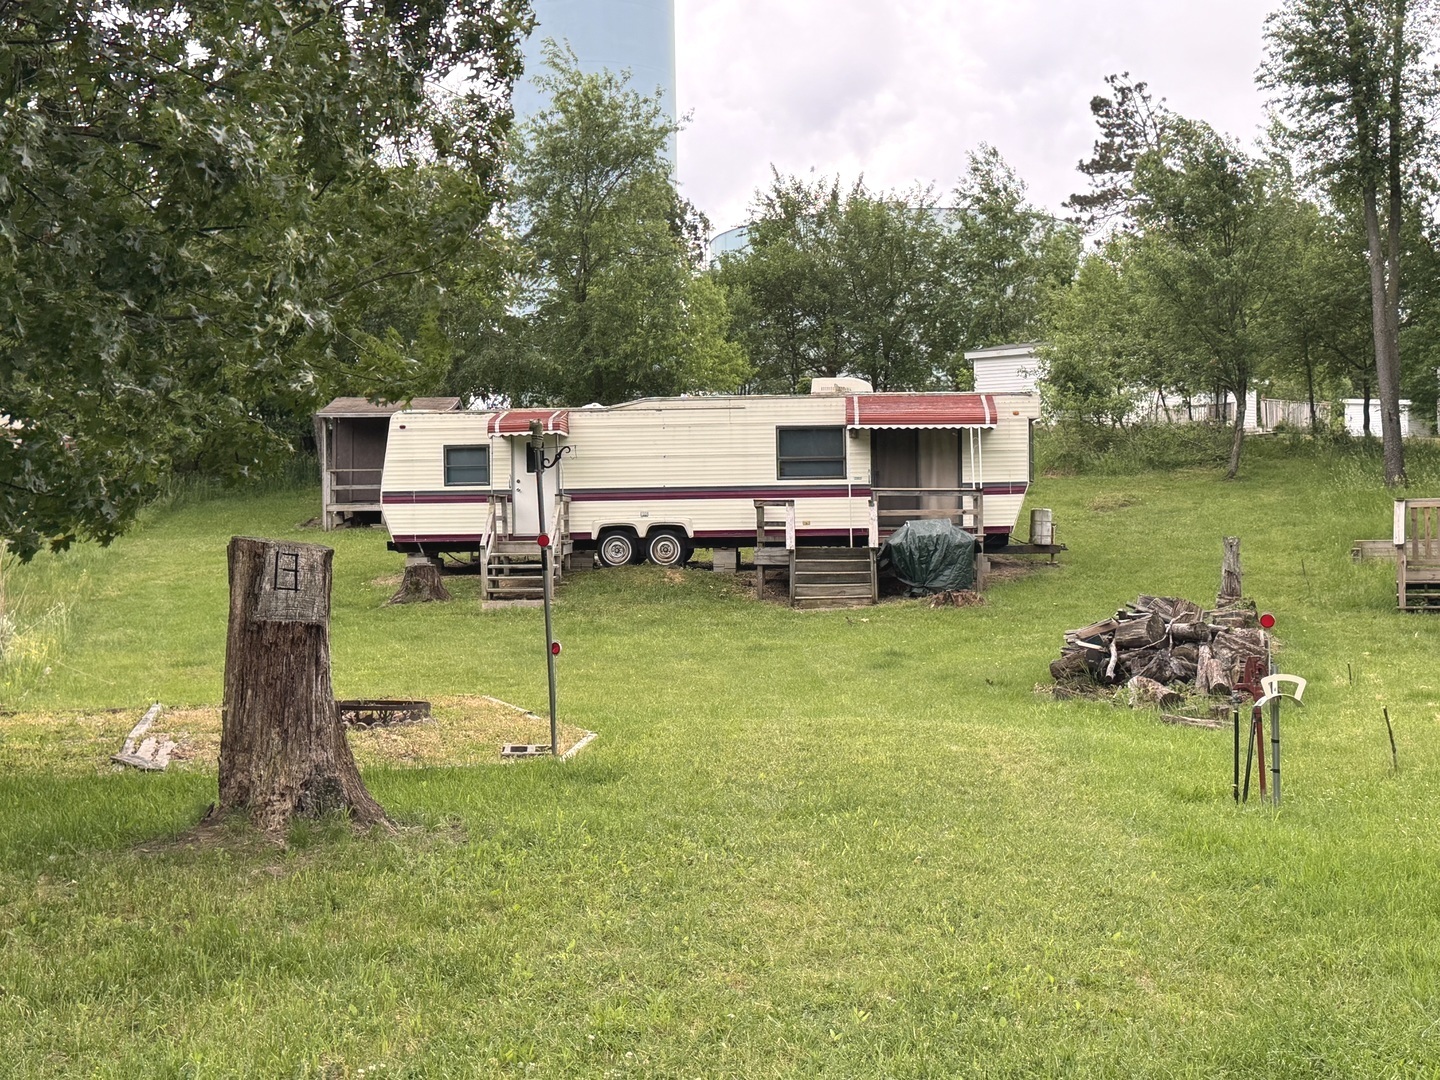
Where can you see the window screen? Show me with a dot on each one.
(467, 465)
(810, 453)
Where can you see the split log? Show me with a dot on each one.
(1234, 645)
(1169, 608)
(1241, 614)
(1230, 580)
(1092, 632)
(1211, 676)
(1144, 691)
(422, 582)
(282, 747)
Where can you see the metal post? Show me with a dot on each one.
(1235, 725)
(1275, 750)
(537, 433)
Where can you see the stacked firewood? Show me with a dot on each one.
(1159, 644)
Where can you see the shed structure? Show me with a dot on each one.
(350, 436)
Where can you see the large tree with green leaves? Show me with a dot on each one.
(1005, 257)
(193, 194)
(609, 302)
(1357, 79)
(843, 281)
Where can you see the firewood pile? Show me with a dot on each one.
(1163, 648)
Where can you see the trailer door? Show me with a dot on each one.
(523, 470)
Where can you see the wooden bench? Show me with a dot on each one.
(1417, 554)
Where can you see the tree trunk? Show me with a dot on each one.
(1238, 436)
(282, 748)
(1387, 351)
(422, 583)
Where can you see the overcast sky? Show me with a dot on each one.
(901, 90)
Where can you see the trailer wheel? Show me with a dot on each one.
(618, 547)
(667, 547)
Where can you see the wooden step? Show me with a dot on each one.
(832, 577)
(811, 603)
(835, 589)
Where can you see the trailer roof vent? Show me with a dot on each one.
(843, 385)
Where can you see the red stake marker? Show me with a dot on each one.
(543, 540)
(1267, 620)
(555, 648)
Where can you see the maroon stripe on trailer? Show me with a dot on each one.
(620, 494)
(922, 410)
(410, 498)
(439, 538)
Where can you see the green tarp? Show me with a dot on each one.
(931, 556)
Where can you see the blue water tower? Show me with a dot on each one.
(622, 35)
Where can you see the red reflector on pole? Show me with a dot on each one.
(555, 648)
(543, 540)
(1267, 620)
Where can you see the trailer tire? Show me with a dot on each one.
(667, 547)
(618, 547)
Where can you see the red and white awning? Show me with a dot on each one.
(920, 411)
(517, 422)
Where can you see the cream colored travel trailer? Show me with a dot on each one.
(840, 467)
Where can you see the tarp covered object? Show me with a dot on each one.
(931, 556)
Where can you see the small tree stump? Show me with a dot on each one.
(1146, 691)
(422, 583)
(282, 747)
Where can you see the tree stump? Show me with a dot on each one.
(422, 583)
(1230, 586)
(283, 752)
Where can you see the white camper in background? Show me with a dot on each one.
(657, 477)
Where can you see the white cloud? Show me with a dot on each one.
(903, 90)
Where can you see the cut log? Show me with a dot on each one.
(1169, 608)
(1234, 645)
(1070, 668)
(1145, 691)
(1196, 631)
(282, 747)
(1140, 632)
(422, 582)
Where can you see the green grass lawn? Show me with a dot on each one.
(840, 843)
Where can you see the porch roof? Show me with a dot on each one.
(920, 411)
(517, 422)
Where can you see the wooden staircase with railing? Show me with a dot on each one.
(820, 577)
(513, 575)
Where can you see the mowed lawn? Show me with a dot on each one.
(850, 843)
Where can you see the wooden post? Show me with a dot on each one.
(1230, 587)
(282, 747)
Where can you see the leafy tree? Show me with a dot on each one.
(1107, 344)
(1208, 219)
(1006, 257)
(1356, 79)
(609, 302)
(840, 281)
(1321, 308)
(193, 195)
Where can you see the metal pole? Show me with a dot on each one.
(1235, 725)
(539, 447)
(1275, 750)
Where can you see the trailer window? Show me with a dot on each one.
(467, 465)
(807, 453)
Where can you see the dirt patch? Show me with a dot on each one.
(387, 581)
(1108, 502)
(466, 730)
